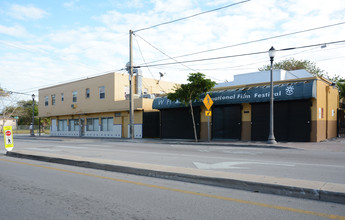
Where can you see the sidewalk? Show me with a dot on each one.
(316, 190)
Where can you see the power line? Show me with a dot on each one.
(20, 93)
(170, 57)
(255, 63)
(254, 41)
(164, 53)
(205, 12)
(141, 53)
(240, 55)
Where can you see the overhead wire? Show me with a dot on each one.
(34, 89)
(187, 17)
(148, 68)
(176, 61)
(253, 41)
(240, 55)
(164, 53)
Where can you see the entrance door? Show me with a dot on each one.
(177, 123)
(151, 124)
(299, 121)
(291, 121)
(226, 122)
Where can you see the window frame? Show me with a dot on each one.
(92, 124)
(87, 93)
(46, 100)
(74, 96)
(53, 99)
(101, 92)
(74, 125)
(62, 125)
(107, 124)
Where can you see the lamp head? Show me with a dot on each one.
(33, 96)
(272, 52)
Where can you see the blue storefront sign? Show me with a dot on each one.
(281, 92)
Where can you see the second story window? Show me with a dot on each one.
(74, 95)
(101, 92)
(46, 100)
(87, 93)
(62, 97)
(53, 99)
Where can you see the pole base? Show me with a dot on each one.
(271, 141)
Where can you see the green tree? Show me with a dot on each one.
(341, 87)
(292, 64)
(22, 109)
(190, 92)
(25, 110)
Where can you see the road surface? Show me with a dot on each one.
(38, 190)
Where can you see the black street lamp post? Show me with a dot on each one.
(271, 138)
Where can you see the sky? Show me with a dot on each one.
(45, 43)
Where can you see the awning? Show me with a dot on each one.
(282, 92)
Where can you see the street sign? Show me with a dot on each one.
(8, 138)
(208, 113)
(208, 101)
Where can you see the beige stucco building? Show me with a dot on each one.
(99, 106)
(305, 109)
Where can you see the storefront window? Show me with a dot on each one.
(107, 124)
(63, 125)
(74, 124)
(92, 124)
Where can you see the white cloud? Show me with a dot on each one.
(14, 31)
(84, 50)
(172, 6)
(71, 4)
(22, 12)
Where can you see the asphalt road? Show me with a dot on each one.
(308, 162)
(37, 190)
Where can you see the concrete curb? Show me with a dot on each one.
(161, 141)
(328, 192)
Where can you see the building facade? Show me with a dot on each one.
(305, 109)
(99, 106)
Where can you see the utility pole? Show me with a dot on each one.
(33, 116)
(131, 95)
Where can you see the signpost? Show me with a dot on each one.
(208, 104)
(8, 138)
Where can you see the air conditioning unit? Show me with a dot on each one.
(148, 96)
(135, 96)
